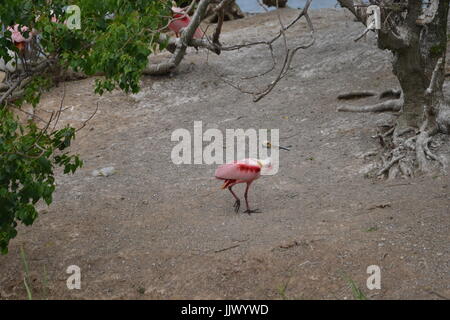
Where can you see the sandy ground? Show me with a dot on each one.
(155, 230)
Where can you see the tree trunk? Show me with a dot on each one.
(415, 31)
(423, 43)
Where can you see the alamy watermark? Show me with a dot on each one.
(221, 148)
(373, 17)
(74, 280)
(374, 280)
(73, 22)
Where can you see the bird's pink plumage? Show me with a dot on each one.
(245, 170)
(17, 35)
(181, 20)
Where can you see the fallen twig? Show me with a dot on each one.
(227, 248)
(379, 206)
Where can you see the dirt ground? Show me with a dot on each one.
(155, 230)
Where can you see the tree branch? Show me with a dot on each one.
(180, 44)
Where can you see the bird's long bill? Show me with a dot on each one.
(268, 145)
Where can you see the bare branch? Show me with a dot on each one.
(22, 80)
(289, 53)
(11, 90)
(89, 119)
(220, 10)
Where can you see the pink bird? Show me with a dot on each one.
(17, 36)
(242, 171)
(181, 20)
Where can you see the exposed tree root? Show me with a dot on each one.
(406, 152)
(388, 166)
(390, 105)
(356, 95)
(391, 93)
(423, 152)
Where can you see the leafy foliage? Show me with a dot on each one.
(115, 39)
(27, 160)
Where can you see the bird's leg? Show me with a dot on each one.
(237, 204)
(246, 201)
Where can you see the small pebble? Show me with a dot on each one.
(104, 172)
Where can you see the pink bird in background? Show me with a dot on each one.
(242, 171)
(181, 20)
(18, 38)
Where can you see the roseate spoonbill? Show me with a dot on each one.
(18, 38)
(242, 171)
(181, 20)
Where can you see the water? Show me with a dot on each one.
(252, 6)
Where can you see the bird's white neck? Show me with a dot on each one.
(263, 163)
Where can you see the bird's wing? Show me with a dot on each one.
(240, 170)
(176, 26)
(18, 35)
(198, 34)
(182, 20)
